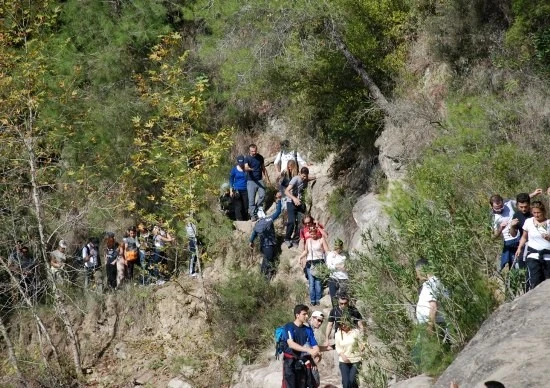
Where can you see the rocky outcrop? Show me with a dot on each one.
(510, 347)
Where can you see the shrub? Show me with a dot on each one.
(340, 204)
(247, 310)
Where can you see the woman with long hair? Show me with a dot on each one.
(347, 342)
(536, 234)
(310, 259)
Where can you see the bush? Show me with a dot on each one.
(248, 309)
(340, 204)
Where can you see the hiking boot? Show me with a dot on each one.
(288, 243)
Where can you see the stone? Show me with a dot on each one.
(422, 381)
(511, 346)
(178, 383)
(120, 351)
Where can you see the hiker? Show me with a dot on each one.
(428, 310)
(90, 257)
(299, 350)
(312, 258)
(348, 345)
(160, 238)
(286, 176)
(536, 234)
(58, 260)
(254, 165)
(238, 189)
(315, 322)
(131, 253)
(144, 239)
(23, 266)
(285, 156)
(112, 252)
(226, 201)
(523, 212)
(307, 222)
(191, 231)
(294, 205)
(336, 314)
(429, 316)
(268, 240)
(502, 213)
(338, 279)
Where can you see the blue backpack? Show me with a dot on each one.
(280, 340)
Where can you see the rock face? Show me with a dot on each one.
(511, 346)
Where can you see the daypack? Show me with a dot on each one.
(280, 340)
(264, 227)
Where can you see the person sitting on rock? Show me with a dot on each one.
(268, 240)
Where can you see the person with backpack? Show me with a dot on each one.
(299, 348)
(112, 252)
(285, 155)
(90, 257)
(268, 240)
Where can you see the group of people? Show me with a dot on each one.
(302, 349)
(247, 190)
(525, 230)
(114, 259)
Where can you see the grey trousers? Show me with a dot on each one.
(253, 187)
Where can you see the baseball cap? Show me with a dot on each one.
(317, 314)
(62, 244)
(240, 159)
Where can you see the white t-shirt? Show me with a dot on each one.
(505, 216)
(284, 157)
(336, 260)
(432, 289)
(92, 251)
(535, 239)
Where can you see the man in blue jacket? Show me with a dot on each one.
(301, 347)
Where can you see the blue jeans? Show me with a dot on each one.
(350, 374)
(508, 252)
(315, 288)
(268, 264)
(253, 187)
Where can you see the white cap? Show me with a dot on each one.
(317, 314)
(62, 244)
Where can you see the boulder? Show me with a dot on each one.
(422, 381)
(177, 383)
(510, 347)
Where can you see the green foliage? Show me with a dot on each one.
(340, 204)
(247, 311)
(529, 34)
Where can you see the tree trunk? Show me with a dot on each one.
(11, 354)
(58, 299)
(29, 303)
(376, 94)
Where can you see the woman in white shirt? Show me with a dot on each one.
(536, 234)
(349, 347)
(338, 275)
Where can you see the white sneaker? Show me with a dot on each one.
(160, 282)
